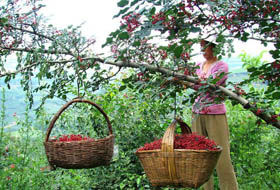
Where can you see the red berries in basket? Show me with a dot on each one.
(185, 141)
(72, 137)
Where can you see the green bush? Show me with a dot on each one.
(136, 119)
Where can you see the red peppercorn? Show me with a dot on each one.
(186, 141)
(71, 137)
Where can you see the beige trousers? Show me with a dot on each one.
(216, 128)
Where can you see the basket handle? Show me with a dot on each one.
(65, 106)
(167, 144)
(168, 137)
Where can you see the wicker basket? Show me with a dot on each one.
(79, 154)
(171, 167)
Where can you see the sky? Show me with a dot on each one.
(97, 16)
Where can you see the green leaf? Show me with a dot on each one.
(48, 75)
(266, 29)
(152, 11)
(244, 37)
(109, 40)
(277, 45)
(123, 36)
(123, 3)
(178, 51)
(3, 21)
(114, 34)
(171, 47)
(142, 69)
(195, 29)
(138, 181)
(276, 95)
(122, 88)
(173, 94)
(136, 43)
(7, 79)
(263, 24)
(133, 3)
(220, 38)
(238, 35)
(251, 69)
(275, 53)
(157, 3)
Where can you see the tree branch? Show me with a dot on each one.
(245, 103)
(34, 50)
(30, 66)
(43, 36)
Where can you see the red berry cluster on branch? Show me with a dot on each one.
(259, 111)
(185, 141)
(239, 90)
(132, 22)
(167, 21)
(15, 19)
(245, 14)
(158, 17)
(185, 56)
(274, 117)
(142, 76)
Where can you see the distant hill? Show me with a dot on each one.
(237, 77)
(235, 65)
(16, 100)
(237, 73)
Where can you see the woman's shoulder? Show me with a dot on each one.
(221, 65)
(221, 62)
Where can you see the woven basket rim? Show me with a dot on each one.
(81, 141)
(181, 150)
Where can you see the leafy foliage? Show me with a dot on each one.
(165, 34)
(261, 91)
(254, 148)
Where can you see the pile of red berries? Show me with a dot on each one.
(72, 137)
(185, 141)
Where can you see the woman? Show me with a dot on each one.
(209, 118)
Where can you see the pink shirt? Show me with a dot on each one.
(203, 104)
